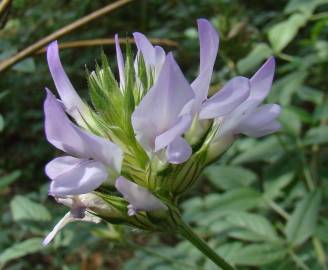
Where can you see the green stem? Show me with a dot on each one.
(200, 244)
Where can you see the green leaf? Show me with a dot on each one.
(235, 199)
(26, 66)
(321, 112)
(2, 123)
(21, 249)
(302, 223)
(273, 189)
(255, 254)
(258, 226)
(304, 6)
(310, 94)
(259, 53)
(321, 231)
(6, 180)
(267, 149)
(215, 206)
(228, 177)
(281, 34)
(4, 94)
(316, 135)
(162, 258)
(290, 122)
(22, 208)
(284, 88)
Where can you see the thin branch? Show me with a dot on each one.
(5, 64)
(107, 41)
(3, 5)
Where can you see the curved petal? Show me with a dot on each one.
(120, 62)
(257, 121)
(78, 176)
(84, 201)
(64, 221)
(71, 100)
(261, 82)
(209, 44)
(174, 132)
(140, 199)
(227, 99)
(178, 151)
(154, 56)
(264, 130)
(61, 165)
(159, 60)
(231, 121)
(146, 48)
(161, 107)
(63, 134)
(58, 227)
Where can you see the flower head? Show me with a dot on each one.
(146, 137)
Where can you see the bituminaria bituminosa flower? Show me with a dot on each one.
(145, 139)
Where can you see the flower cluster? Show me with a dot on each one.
(146, 139)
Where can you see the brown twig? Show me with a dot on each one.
(3, 5)
(107, 41)
(5, 64)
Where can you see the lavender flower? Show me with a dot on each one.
(91, 158)
(164, 114)
(78, 206)
(150, 135)
(138, 197)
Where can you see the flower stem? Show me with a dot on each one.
(200, 244)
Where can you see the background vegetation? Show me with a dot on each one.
(264, 205)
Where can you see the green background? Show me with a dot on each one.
(262, 206)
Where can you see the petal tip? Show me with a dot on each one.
(203, 21)
(269, 65)
(119, 183)
(53, 45)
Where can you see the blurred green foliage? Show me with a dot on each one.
(262, 206)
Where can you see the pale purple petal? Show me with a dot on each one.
(139, 198)
(264, 130)
(209, 44)
(261, 82)
(154, 56)
(161, 107)
(250, 118)
(259, 122)
(79, 176)
(83, 201)
(160, 57)
(231, 121)
(61, 165)
(120, 62)
(178, 151)
(227, 99)
(64, 221)
(170, 135)
(60, 225)
(146, 48)
(63, 134)
(71, 100)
